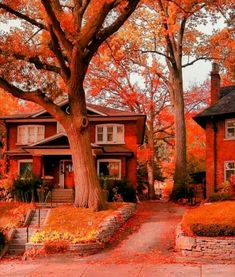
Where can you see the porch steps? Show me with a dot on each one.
(17, 245)
(62, 196)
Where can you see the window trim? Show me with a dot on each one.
(24, 161)
(105, 128)
(226, 127)
(233, 161)
(28, 126)
(110, 160)
(59, 126)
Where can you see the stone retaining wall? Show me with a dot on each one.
(105, 231)
(221, 247)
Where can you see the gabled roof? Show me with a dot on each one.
(224, 106)
(92, 109)
(59, 140)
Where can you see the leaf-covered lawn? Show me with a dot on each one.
(76, 225)
(12, 214)
(220, 214)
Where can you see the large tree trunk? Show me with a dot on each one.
(180, 175)
(88, 192)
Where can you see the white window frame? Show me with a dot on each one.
(59, 128)
(110, 160)
(225, 169)
(23, 161)
(105, 128)
(27, 135)
(226, 128)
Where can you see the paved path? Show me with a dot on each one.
(145, 247)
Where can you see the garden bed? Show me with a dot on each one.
(208, 231)
(13, 214)
(70, 228)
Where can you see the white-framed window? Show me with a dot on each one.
(230, 129)
(229, 170)
(59, 128)
(110, 134)
(27, 134)
(109, 168)
(25, 167)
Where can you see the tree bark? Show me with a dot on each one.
(88, 192)
(150, 161)
(180, 175)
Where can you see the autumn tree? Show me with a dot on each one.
(48, 54)
(123, 78)
(169, 29)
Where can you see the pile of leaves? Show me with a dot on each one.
(12, 214)
(75, 225)
(214, 219)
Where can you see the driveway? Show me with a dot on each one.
(143, 247)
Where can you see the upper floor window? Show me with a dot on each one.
(110, 133)
(60, 128)
(230, 129)
(27, 134)
(229, 168)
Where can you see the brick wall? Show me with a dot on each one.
(225, 152)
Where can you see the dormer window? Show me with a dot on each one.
(28, 134)
(230, 129)
(110, 134)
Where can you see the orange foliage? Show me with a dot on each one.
(12, 214)
(76, 225)
(217, 213)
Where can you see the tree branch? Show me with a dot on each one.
(197, 59)
(56, 27)
(34, 60)
(23, 16)
(36, 96)
(110, 30)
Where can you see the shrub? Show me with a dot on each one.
(2, 240)
(119, 190)
(59, 246)
(25, 188)
(219, 196)
(211, 219)
(213, 230)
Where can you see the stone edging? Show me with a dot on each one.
(220, 247)
(105, 231)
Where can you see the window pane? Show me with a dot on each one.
(229, 173)
(230, 132)
(31, 134)
(99, 134)
(104, 169)
(109, 169)
(114, 169)
(110, 133)
(120, 134)
(25, 168)
(22, 135)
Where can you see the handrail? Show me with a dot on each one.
(28, 224)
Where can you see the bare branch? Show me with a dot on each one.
(197, 59)
(23, 16)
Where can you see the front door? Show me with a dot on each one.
(66, 174)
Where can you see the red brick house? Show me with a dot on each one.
(37, 142)
(218, 120)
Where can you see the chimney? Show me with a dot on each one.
(215, 83)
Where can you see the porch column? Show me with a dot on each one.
(37, 166)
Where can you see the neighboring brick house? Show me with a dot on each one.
(37, 142)
(219, 123)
